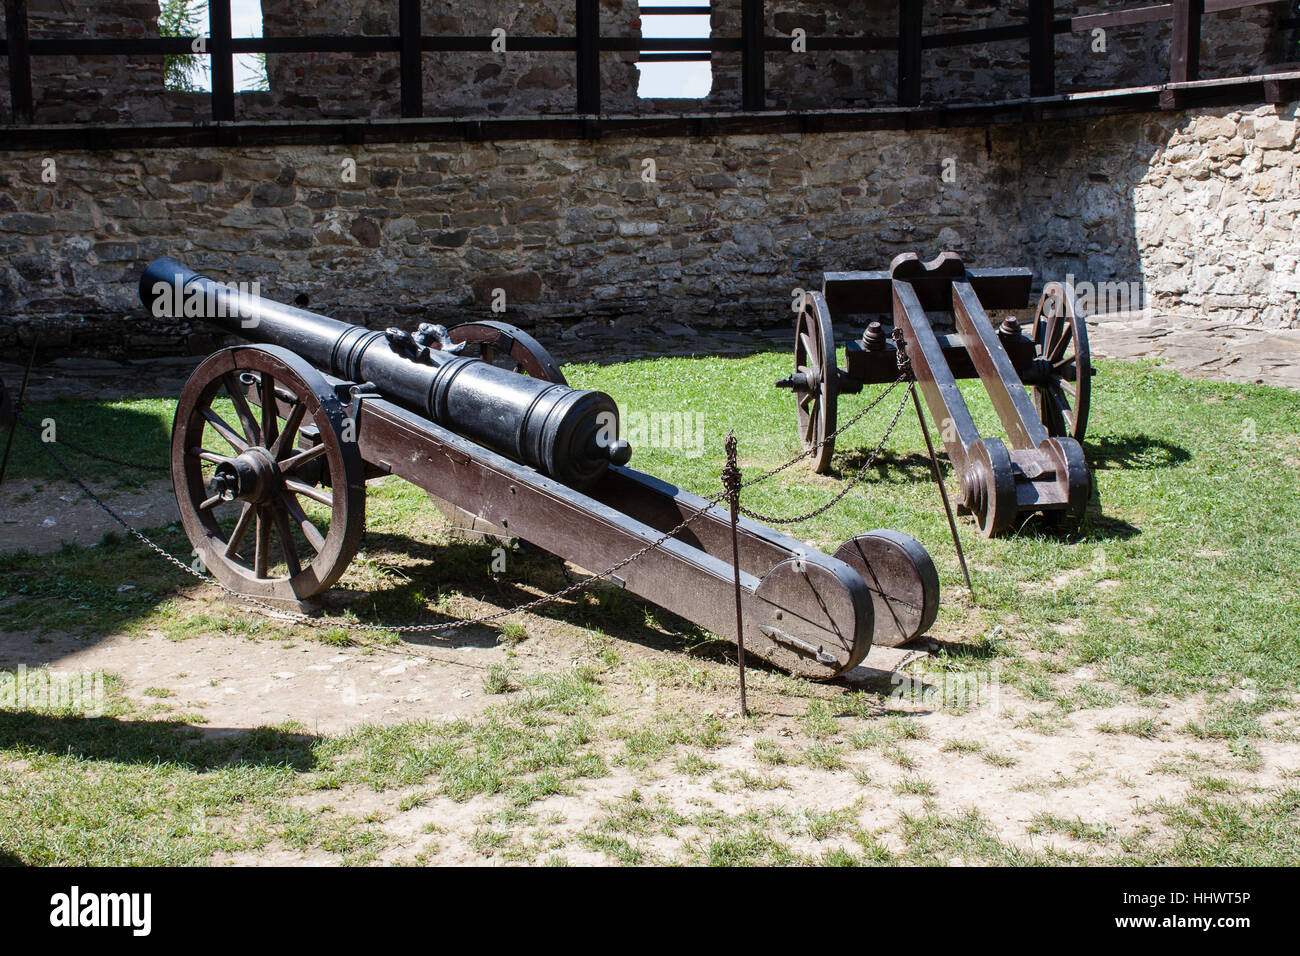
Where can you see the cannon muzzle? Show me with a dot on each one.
(566, 433)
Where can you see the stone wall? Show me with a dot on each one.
(1198, 210)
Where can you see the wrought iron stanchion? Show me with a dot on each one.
(731, 482)
(905, 365)
(943, 491)
(18, 410)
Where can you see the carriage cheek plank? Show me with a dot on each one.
(272, 495)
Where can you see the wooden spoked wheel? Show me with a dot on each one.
(1062, 374)
(499, 343)
(267, 473)
(815, 379)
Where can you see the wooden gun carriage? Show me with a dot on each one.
(1039, 384)
(273, 443)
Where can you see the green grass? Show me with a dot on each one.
(134, 430)
(1179, 581)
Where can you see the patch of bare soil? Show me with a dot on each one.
(41, 515)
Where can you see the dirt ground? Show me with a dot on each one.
(1024, 763)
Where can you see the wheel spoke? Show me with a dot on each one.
(809, 351)
(294, 461)
(240, 529)
(235, 440)
(209, 456)
(289, 435)
(246, 417)
(315, 494)
(262, 548)
(209, 503)
(286, 542)
(270, 411)
(309, 530)
(1049, 336)
(1067, 336)
(1059, 394)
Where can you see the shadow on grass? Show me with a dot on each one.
(147, 742)
(889, 466)
(8, 859)
(1134, 453)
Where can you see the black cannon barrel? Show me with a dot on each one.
(569, 434)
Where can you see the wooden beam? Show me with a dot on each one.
(20, 63)
(588, 36)
(219, 55)
(909, 52)
(1185, 42)
(412, 64)
(1042, 48)
(753, 77)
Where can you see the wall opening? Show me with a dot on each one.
(675, 75)
(191, 73)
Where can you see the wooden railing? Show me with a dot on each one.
(1040, 28)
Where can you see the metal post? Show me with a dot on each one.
(943, 490)
(18, 411)
(20, 63)
(731, 481)
(219, 55)
(753, 80)
(408, 26)
(588, 36)
(1042, 48)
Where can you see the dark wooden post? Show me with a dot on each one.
(909, 52)
(1185, 43)
(1042, 48)
(412, 66)
(588, 35)
(753, 78)
(219, 55)
(20, 63)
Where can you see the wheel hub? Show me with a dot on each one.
(252, 477)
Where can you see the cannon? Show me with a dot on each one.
(1039, 384)
(273, 441)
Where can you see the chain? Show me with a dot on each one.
(731, 482)
(866, 465)
(72, 475)
(82, 450)
(301, 618)
(772, 472)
